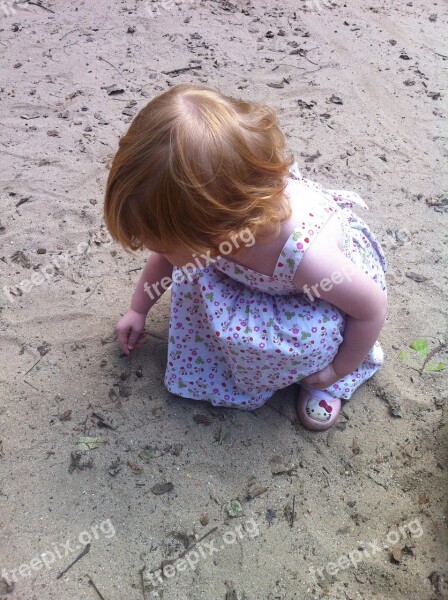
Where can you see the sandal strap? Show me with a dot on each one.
(321, 394)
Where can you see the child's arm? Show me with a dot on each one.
(341, 283)
(148, 289)
(131, 327)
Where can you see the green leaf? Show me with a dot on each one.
(223, 433)
(433, 367)
(88, 443)
(146, 454)
(234, 508)
(403, 356)
(420, 346)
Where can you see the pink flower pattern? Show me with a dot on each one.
(236, 336)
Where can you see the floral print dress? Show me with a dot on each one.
(236, 336)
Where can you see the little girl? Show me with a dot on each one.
(274, 280)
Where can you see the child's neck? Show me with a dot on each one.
(263, 255)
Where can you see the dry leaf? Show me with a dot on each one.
(202, 419)
(256, 489)
(66, 415)
(356, 449)
(423, 499)
(395, 553)
(114, 89)
(162, 488)
(115, 467)
(278, 466)
(336, 100)
(135, 468)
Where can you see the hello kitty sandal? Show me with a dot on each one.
(317, 410)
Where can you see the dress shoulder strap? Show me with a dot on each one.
(317, 205)
(315, 210)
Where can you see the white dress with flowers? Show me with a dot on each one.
(236, 336)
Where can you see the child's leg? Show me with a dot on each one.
(345, 387)
(318, 409)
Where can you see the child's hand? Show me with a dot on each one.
(130, 330)
(322, 379)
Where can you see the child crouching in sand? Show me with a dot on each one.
(274, 280)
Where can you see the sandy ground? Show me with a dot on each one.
(358, 89)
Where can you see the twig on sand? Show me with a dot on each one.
(430, 354)
(31, 385)
(109, 63)
(200, 540)
(40, 5)
(35, 364)
(378, 482)
(189, 549)
(83, 553)
(194, 544)
(293, 511)
(142, 582)
(93, 290)
(303, 53)
(100, 595)
(129, 368)
(181, 70)
(68, 33)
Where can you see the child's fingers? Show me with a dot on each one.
(138, 343)
(134, 338)
(122, 337)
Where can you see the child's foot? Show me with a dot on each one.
(317, 410)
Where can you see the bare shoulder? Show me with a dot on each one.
(262, 256)
(323, 254)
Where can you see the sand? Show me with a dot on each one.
(358, 87)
